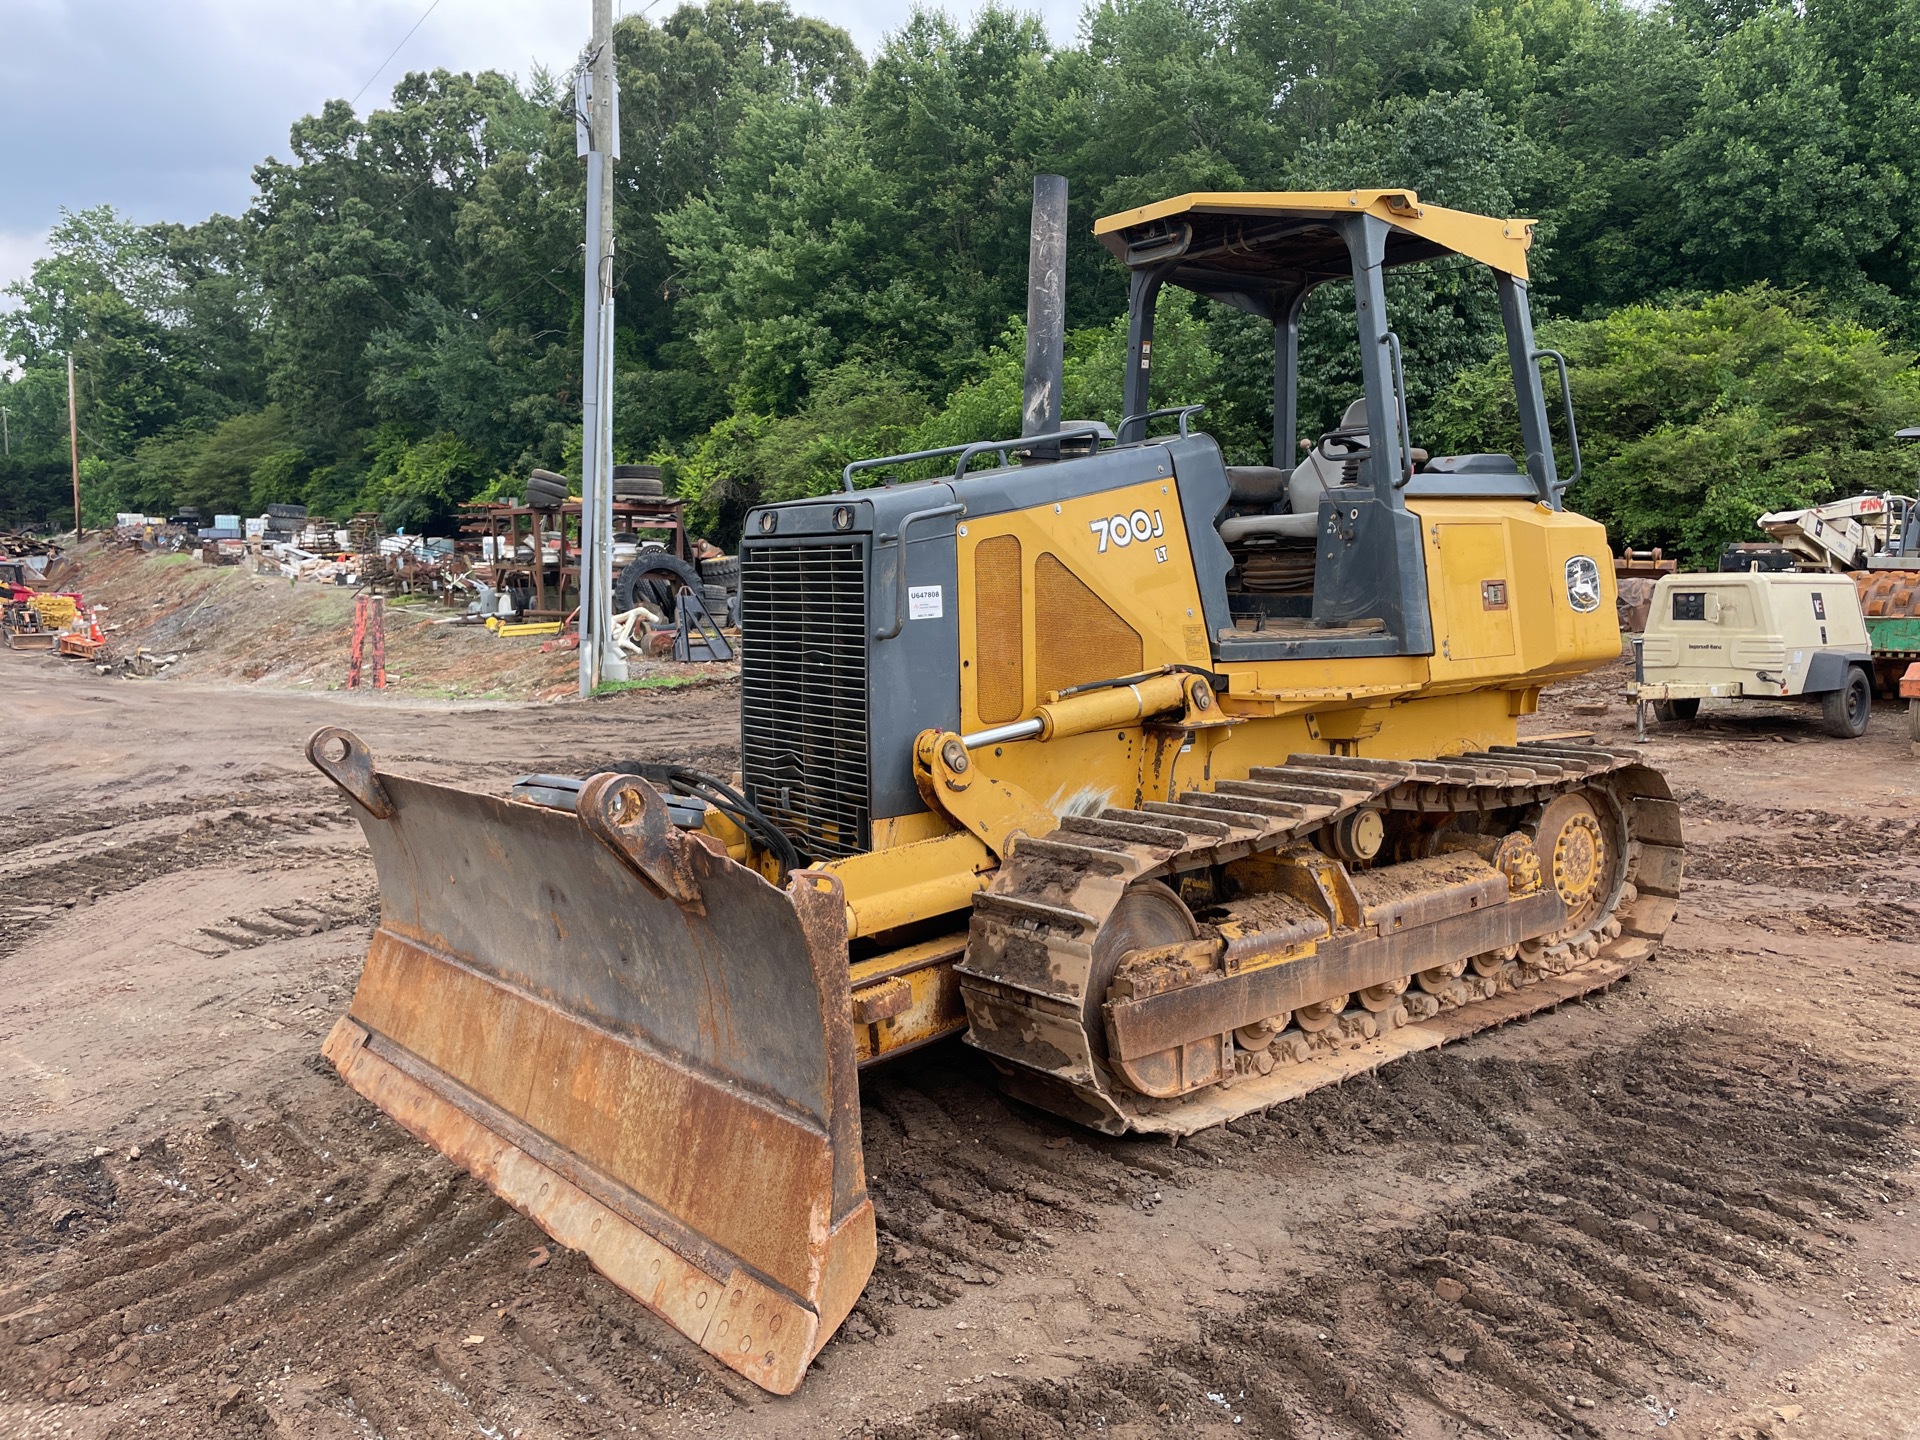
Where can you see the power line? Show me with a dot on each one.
(396, 50)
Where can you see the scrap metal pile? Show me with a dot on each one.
(674, 596)
(61, 623)
(515, 566)
(25, 561)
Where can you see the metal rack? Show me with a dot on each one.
(555, 583)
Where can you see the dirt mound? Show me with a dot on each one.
(229, 625)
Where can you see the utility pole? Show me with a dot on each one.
(6, 435)
(597, 137)
(73, 442)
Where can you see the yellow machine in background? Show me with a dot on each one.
(1178, 788)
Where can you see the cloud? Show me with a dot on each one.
(18, 250)
(163, 110)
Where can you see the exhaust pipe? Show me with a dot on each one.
(1046, 312)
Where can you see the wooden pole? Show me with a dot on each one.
(73, 443)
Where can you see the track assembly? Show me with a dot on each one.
(1168, 968)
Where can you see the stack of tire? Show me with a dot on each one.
(637, 483)
(547, 491)
(719, 580)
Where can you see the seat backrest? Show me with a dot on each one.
(1257, 484)
(1313, 475)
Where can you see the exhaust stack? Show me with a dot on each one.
(1046, 311)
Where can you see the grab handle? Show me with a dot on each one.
(900, 563)
(1566, 403)
(1400, 412)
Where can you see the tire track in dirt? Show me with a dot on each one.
(26, 829)
(1866, 920)
(1679, 1178)
(37, 892)
(340, 907)
(1782, 848)
(207, 1262)
(1648, 1194)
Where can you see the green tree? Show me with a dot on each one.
(1696, 418)
(1766, 183)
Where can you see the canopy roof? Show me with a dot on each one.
(1256, 249)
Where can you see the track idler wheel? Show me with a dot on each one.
(1150, 917)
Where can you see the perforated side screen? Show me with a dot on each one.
(997, 625)
(1077, 636)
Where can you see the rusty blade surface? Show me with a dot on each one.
(640, 1044)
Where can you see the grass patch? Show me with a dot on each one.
(176, 560)
(647, 682)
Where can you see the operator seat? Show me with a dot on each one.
(1325, 464)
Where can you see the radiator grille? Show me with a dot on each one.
(803, 691)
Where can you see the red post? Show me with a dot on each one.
(359, 641)
(379, 643)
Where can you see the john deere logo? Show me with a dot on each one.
(1583, 583)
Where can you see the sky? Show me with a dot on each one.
(163, 109)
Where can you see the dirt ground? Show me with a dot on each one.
(1685, 1208)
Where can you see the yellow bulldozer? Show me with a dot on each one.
(1177, 788)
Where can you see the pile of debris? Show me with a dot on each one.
(25, 560)
(675, 594)
(155, 534)
(288, 541)
(60, 623)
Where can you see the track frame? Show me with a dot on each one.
(1030, 965)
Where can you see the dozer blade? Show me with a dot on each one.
(640, 1044)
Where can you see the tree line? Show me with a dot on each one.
(822, 255)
